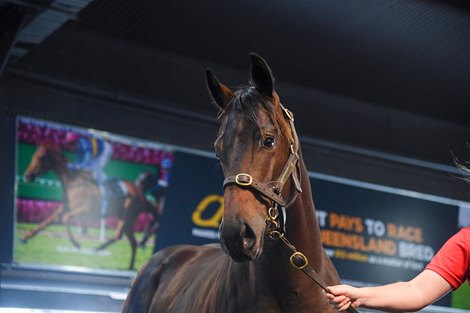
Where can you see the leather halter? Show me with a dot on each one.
(273, 190)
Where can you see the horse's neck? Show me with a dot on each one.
(66, 176)
(302, 230)
(59, 166)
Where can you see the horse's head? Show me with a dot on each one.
(257, 148)
(41, 162)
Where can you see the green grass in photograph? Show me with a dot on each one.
(461, 297)
(52, 247)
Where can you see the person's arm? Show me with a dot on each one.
(414, 295)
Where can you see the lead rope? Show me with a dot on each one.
(297, 259)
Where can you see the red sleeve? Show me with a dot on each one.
(452, 260)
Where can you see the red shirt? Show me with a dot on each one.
(452, 260)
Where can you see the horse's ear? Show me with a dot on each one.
(220, 93)
(261, 75)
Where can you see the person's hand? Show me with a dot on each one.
(343, 296)
(341, 303)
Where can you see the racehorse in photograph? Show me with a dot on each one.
(148, 182)
(269, 235)
(82, 198)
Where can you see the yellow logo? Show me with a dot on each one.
(211, 221)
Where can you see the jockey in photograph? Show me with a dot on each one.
(92, 154)
(165, 166)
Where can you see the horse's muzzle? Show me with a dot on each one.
(29, 177)
(239, 241)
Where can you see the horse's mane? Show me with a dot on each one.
(54, 151)
(250, 102)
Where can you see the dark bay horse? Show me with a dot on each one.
(82, 198)
(251, 270)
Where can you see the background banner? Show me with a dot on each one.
(194, 202)
(373, 236)
(376, 237)
(104, 186)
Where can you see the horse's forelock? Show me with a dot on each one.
(250, 102)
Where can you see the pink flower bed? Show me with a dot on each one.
(34, 211)
(35, 133)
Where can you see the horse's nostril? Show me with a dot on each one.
(248, 243)
(249, 238)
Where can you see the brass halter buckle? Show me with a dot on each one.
(243, 179)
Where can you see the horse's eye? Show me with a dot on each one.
(217, 155)
(269, 142)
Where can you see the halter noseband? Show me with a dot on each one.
(272, 190)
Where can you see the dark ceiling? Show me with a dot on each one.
(399, 55)
(410, 55)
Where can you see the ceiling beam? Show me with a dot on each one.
(12, 18)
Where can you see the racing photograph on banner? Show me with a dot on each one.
(87, 198)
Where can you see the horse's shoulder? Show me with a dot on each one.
(163, 275)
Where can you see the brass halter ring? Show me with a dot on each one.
(273, 228)
(299, 257)
(275, 234)
(273, 213)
